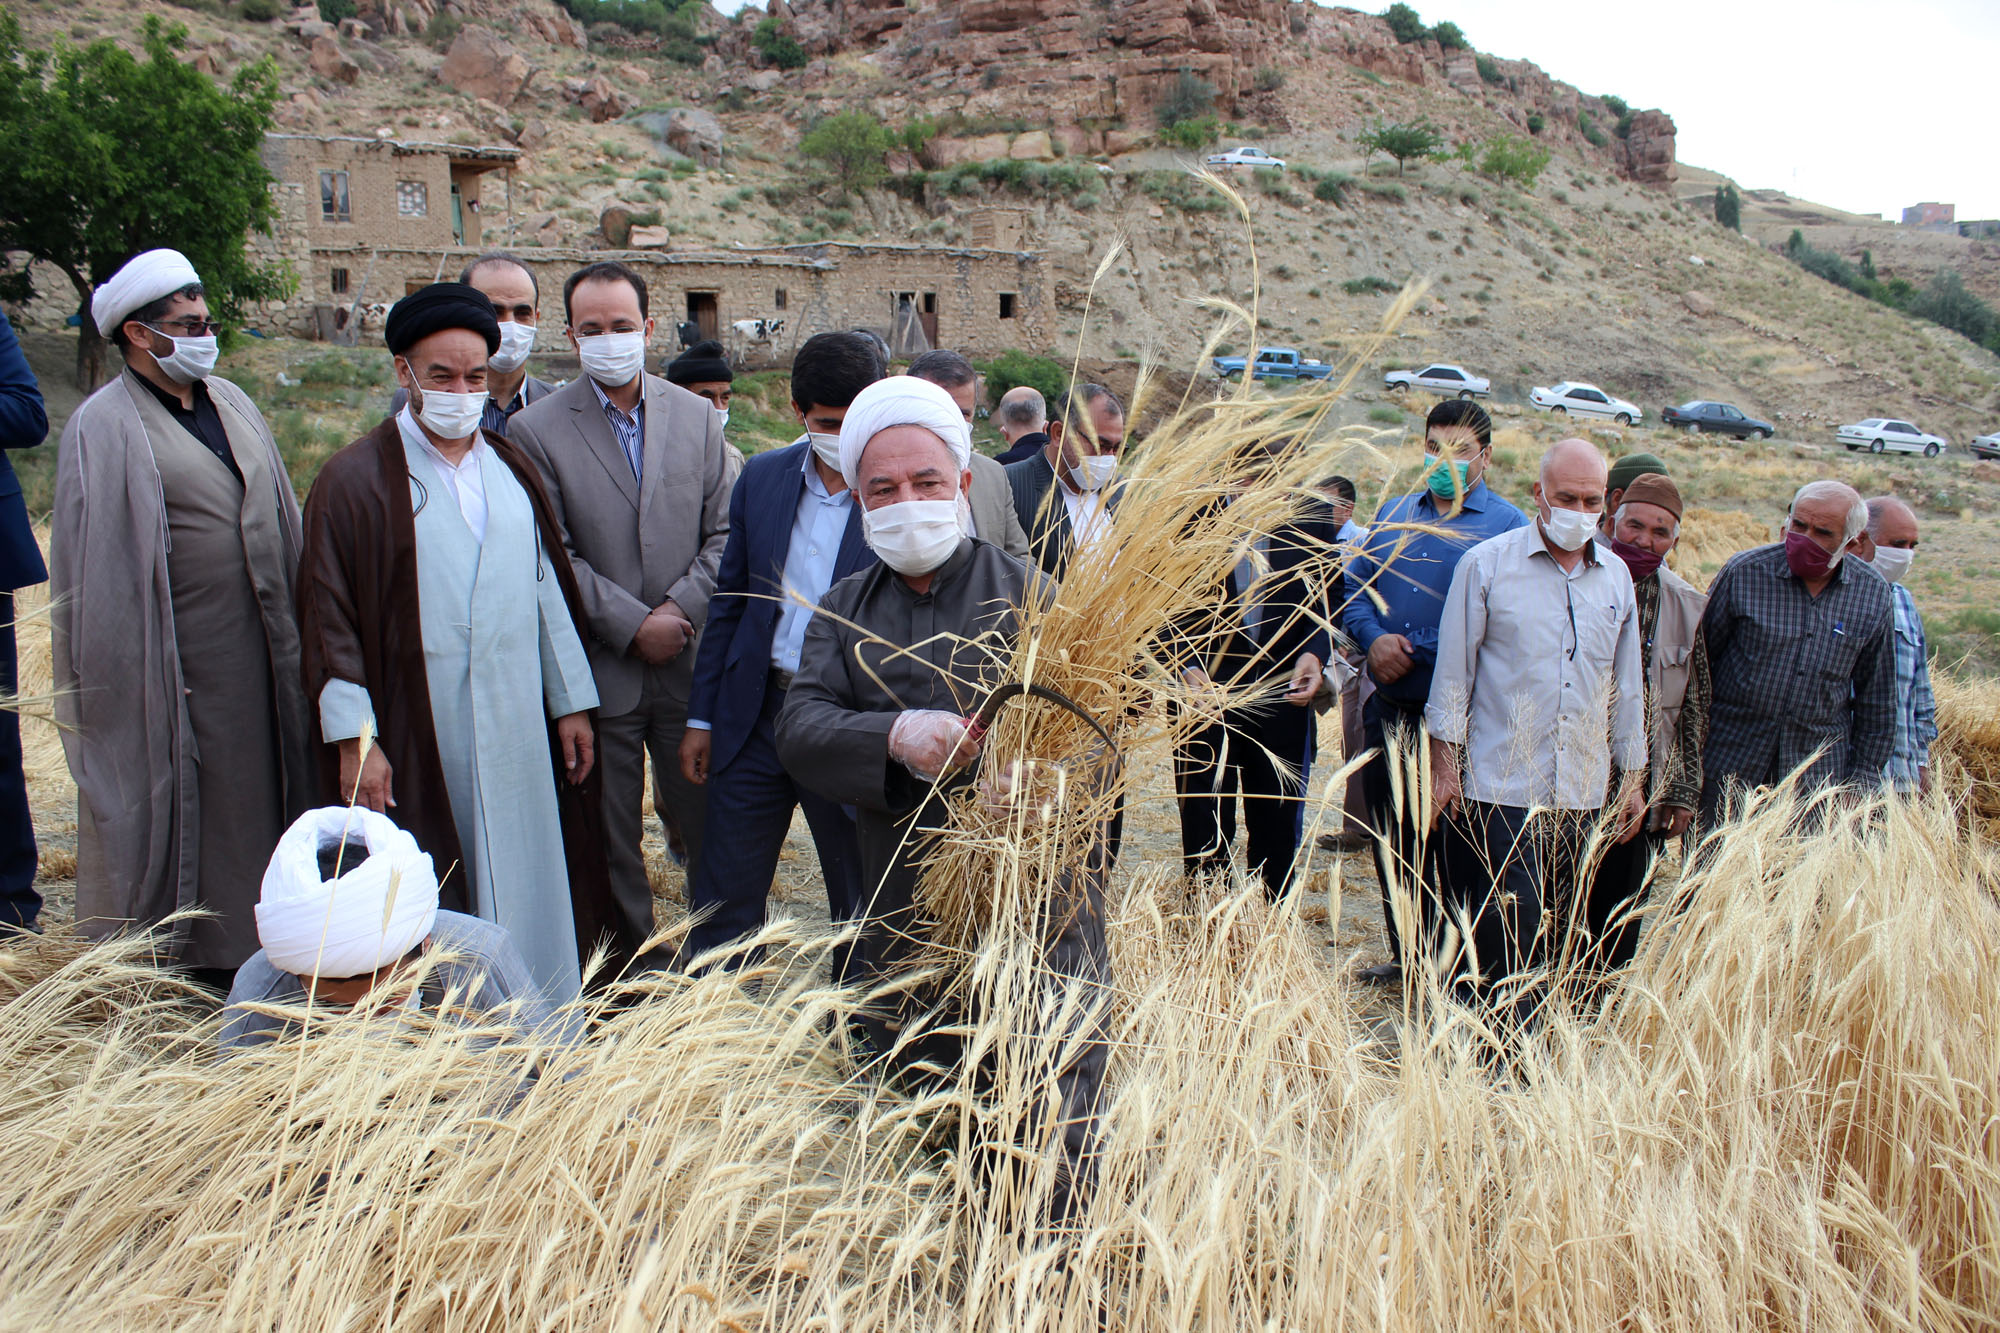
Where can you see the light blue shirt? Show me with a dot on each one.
(630, 429)
(817, 529)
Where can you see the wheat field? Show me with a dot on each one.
(1786, 1115)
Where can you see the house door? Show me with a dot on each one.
(704, 311)
(457, 215)
(929, 318)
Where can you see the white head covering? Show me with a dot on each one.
(902, 400)
(144, 278)
(368, 918)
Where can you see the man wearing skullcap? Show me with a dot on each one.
(704, 371)
(1623, 473)
(440, 616)
(173, 551)
(639, 476)
(1642, 531)
(881, 718)
(349, 910)
(517, 303)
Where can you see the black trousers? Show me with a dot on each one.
(1404, 851)
(1503, 873)
(1610, 912)
(20, 905)
(1243, 755)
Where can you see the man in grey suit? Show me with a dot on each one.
(639, 476)
(1080, 465)
(992, 502)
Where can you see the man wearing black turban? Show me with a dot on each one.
(432, 627)
(703, 369)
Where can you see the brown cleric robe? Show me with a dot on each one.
(359, 621)
(176, 664)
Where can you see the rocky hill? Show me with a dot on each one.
(1600, 270)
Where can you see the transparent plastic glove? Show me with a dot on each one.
(932, 743)
(1035, 785)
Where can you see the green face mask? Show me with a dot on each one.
(1439, 476)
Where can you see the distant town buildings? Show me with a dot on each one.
(1931, 217)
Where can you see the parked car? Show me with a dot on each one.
(1888, 435)
(1439, 378)
(1244, 157)
(1702, 416)
(1987, 446)
(1586, 400)
(1274, 363)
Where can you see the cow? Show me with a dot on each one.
(758, 330)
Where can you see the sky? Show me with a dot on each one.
(1866, 106)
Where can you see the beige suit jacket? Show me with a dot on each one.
(635, 543)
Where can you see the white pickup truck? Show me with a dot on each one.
(1451, 381)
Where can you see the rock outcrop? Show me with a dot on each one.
(695, 135)
(482, 63)
(1647, 150)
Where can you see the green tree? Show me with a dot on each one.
(106, 155)
(1013, 368)
(1405, 23)
(1402, 140)
(1868, 265)
(1451, 37)
(850, 146)
(778, 46)
(1729, 208)
(1510, 157)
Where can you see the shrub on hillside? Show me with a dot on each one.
(776, 45)
(1013, 368)
(1268, 79)
(1191, 134)
(263, 11)
(1402, 140)
(1729, 211)
(1450, 36)
(672, 21)
(1536, 124)
(333, 11)
(1190, 98)
(1405, 23)
(1588, 129)
(1489, 69)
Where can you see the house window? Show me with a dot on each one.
(413, 199)
(339, 283)
(333, 196)
(1006, 305)
(778, 299)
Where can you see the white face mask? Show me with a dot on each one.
(516, 341)
(449, 416)
(722, 417)
(192, 358)
(826, 448)
(1569, 528)
(613, 359)
(1095, 472)
(914, 536)
(1892, 562)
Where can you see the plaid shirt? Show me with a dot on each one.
(1796, 674)
(1916, 706)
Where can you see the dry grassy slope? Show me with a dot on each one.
(1587, 277)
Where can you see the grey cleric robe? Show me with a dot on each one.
(883, 648)
(176, 658)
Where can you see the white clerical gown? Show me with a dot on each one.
(500, 654)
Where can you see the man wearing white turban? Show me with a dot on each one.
(880, 717)
(349, 910)
(173, 554)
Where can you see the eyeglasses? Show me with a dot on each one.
(187, 328)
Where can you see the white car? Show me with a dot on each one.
(1887, 435)
(1245, 157)
(1987, 446)
(1439, 378)
(1586, 400)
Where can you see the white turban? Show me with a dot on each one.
(368, 918)
(143, 280)
(902, 400)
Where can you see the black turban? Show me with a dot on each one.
(703, 363)
(442, 305)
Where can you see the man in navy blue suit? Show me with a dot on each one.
(23, 424)
(794, 531)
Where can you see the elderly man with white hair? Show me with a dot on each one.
(174, 551)
(1801, 643)
(348, 911)
(881, 715)
(1536, 716)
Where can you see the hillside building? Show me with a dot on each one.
(1930, 217)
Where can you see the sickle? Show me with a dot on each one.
(1005, 694)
